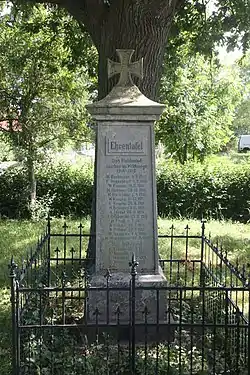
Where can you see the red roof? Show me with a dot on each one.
(16, 127)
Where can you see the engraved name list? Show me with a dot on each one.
(127, 185)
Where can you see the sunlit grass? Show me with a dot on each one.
(233, 237)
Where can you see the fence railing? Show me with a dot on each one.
(58, 329)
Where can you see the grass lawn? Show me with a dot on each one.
(16, 237)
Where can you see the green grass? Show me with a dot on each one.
(18, 236)
(233, 237)
(15, 237)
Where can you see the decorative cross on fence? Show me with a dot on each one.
(125, 68)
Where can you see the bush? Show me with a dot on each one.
(70, 189)
(61, 190)
(196, 190)
(219, 191)
(14, 193)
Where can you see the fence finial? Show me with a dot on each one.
(107, 275)
(133, 264)
(12, 267)
(203, 222)
(48, 223)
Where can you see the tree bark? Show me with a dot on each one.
(142, 25)
(32, 182)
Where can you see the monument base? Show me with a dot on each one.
(122, 334)
(110, 304)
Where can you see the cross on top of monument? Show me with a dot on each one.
(125, 68)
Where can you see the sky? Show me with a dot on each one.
(228, 58)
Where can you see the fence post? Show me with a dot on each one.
(202, 252)
(107, 276)
(133, 264)
(12, 276)
(49, 249)
(248, 322)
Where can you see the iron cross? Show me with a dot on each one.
(125, 68)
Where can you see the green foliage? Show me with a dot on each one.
(5, 328)
(38, 91)
(229, 23)
(14, 193)
(77, 357)
(200, 104)
(241, 122)
(70, 189)
(61, 190)
(208, 23)
(6, 153)
(42, 94)
(195, 190)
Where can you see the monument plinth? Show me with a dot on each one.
(126, 208)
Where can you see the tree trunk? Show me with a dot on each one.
(185, 153)
(146, 44)
(32, 182)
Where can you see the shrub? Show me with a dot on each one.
(14, 193)
(7, 153)
(61, 190)
(196, 190)
(70, 189)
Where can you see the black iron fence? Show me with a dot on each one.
(58, 329)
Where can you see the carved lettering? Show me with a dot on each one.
(116, 147)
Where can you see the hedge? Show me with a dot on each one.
(61, 190)
(196, 191)
(68, 190)
(193, 190)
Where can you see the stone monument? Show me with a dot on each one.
(126, 208)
